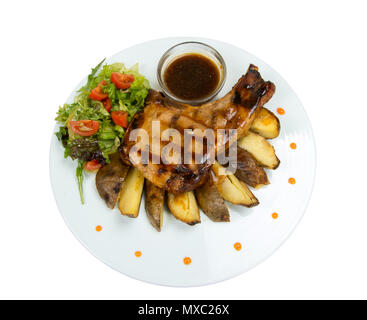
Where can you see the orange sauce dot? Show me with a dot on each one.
(292, 181)
(275, 215)
(98, 228)
(281, 111)
(187, 260)
(237, 246)
(137, 254)
(293, 145)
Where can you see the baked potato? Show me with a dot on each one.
(110, 178)
(266, 124)
(154, 202)
(211, 202)
(231, 189)
(130, 194)
(184, 207)
(249, 171)
(260, 149)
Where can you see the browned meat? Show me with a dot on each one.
(236, 110)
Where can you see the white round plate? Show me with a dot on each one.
(209, 245)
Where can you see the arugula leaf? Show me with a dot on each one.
(94, 71)
(80, 178)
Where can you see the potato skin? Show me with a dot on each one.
(110, 178)
(249, 171)
(211, 202)
(154, 202)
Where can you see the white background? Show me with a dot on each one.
(319, 47)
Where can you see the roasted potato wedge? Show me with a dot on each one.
(211, 202)
(154, 202)
(184, 207)
(266, 124)
(249, 171)
(130, 194)
(260, 149)
(110, 178)
(231, 189)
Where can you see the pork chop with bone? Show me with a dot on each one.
(236, 110)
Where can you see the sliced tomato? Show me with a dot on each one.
(84, 128)
(120, 118)
(92, 165)
(97, 93)
(122, 81)
(107, 104)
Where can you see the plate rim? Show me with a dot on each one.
(235, 274)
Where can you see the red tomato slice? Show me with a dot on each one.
(107, 104)
(97, 93)
(92, 165)
(84, 128)
(122, 81)
(120, 118)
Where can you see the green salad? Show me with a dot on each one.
(93, 126)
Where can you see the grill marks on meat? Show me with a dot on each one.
(236, 110)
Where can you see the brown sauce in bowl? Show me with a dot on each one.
(192, 77)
